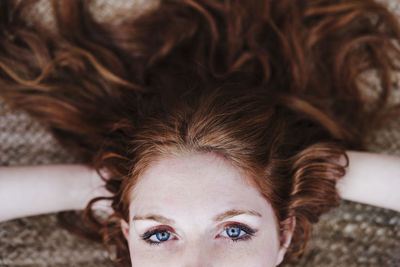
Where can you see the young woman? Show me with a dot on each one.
(218, 128)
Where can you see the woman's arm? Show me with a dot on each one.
(372, 179)
(32, 190)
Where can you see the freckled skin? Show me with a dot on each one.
(191, 189)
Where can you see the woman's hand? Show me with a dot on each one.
(33, 190)
(372, 179)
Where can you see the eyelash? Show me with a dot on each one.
(249, 232)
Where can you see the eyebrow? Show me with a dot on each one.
(233, 213)
(217, 218)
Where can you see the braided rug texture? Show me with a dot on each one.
(350, 235)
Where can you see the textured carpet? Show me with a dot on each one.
(351, 235)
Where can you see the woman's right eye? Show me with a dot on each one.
(156, 236)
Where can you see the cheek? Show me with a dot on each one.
(140, 257)
(267, 252)
(257, 253)
(149, 256)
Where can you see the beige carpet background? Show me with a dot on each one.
(351, 235)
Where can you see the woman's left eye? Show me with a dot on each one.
(238, 232)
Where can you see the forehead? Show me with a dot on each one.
(194, 181)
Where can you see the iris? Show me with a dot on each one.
(162, 236)
(233, 231)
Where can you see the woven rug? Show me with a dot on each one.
(350, 235)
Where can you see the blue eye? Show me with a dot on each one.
(156, 237)
(238, 232)
(234, 232)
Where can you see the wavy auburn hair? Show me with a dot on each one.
(274, 86)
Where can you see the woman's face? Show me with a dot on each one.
(197, 210)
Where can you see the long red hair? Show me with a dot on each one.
(274, 86)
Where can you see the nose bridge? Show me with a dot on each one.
(197, 254)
